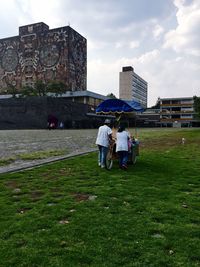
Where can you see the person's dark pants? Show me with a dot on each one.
(123, 158)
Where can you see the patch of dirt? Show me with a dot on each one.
(83, 197)
(12, 184)
(64, 171)
(49, 176)
(160, 144)
(36, 195)
(80, 196)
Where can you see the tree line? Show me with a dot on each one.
(39, 89)
(197, 106)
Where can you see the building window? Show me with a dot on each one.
(30, 29)
(164, 102)
(186, 116)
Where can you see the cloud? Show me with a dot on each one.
(8, 18)
(185, 38)
(157, 31)
(149, 56)
(99, 72)
(160, 39)
(166, 76)
(134, 44)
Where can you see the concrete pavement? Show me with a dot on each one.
(14, 143)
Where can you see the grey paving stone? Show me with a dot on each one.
(16, 142)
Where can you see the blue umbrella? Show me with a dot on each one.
(118, 106)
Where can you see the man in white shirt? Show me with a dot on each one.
(104, 136)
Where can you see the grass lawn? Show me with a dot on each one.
(32, 156)
(72, 213)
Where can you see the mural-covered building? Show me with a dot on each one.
(39, 53)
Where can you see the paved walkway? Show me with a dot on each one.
(70, 142)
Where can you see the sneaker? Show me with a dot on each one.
(99, 164)
(102, 166)
(124, 167)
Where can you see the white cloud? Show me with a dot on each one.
(94, 45)
(149, 57)
(186, 37)
(157, 31)
(124, 35)
(99, 72)
(119, 45)
(166, 77)
(134, 44)
(103, 77)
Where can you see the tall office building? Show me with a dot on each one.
(132, 86)
(39, 53)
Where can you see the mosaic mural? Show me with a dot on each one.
(38, 53)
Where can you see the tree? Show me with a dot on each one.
(28, 91)
(197, 106)
(12, 90)
(157, 105)
(111, 95)
(56, 87)
(40, 88)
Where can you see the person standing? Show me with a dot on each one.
(122, 146)
(104, 137)
(61, 125)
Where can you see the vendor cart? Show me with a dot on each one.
(120, 109)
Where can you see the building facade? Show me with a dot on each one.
(177, 112)
(149, 118)
(86, 97)
(39, 53)
(132, 86)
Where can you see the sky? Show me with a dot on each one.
(160, 39)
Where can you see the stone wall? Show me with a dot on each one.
(34, 112)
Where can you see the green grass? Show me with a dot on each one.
(42, 154)
(72, 213)
(6, 161)
(33, 156)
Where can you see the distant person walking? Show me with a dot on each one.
(122, 146)
(104, 136)
(61, 125)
